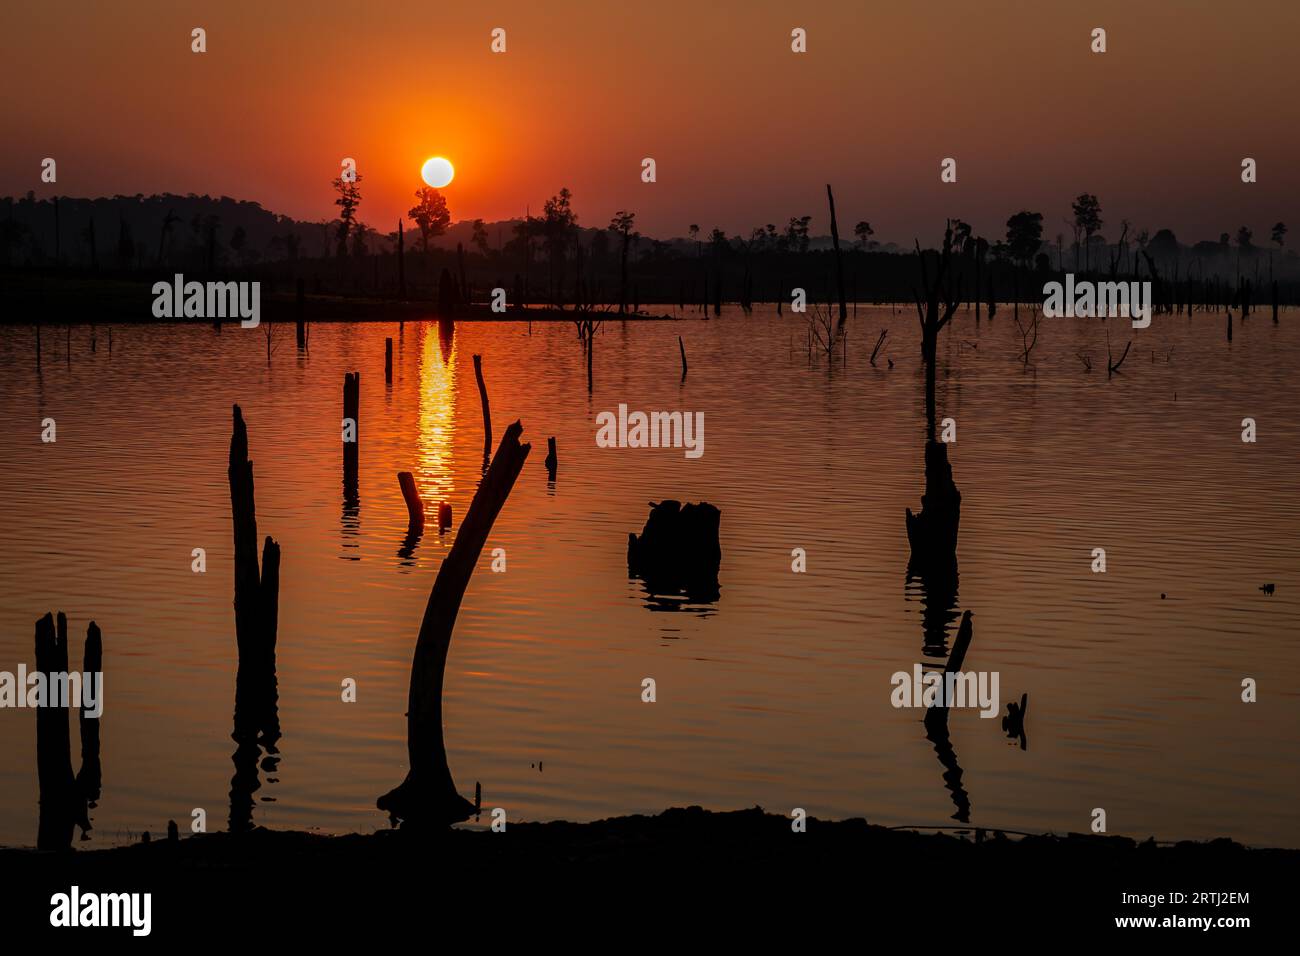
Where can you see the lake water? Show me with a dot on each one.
(778, 693)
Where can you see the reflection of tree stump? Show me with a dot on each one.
(936, 726)
(932, 532)
(428, 797)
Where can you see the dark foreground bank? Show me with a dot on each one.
(735, 875)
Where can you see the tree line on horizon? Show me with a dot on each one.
(560, 260)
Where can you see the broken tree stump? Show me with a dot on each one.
(932, 532)
(60, 805)
(257, 610)
(90, 776)
(257, 599)
(351, 425)
(414, 506)
(428, 796)
(487, 410)
(678, 550)
(552, 462)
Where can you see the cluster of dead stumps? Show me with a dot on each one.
(65, 799)
(677, 553)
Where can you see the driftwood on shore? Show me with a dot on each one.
(428, 796)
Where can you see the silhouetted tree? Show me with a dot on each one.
(430, 214)
(558, 222)
(1087, 219)
(1024, 236)
(1279, 239)
(348, 201)
(796, 234)
(360, 234)
(479, 237)
(864, 232)
(622, 223)
(961, 233)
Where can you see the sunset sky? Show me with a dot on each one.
(744, 132)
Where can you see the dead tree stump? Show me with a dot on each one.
(414, 506)
(428, 796)
(60, 805)
(90, 776)
(552, 462)
(487, 410)
(678, 550)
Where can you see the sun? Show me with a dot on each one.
(437, 172)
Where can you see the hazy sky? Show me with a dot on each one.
(744, 132)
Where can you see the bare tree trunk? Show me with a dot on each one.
(90, 776)
(257, 593)
(839, 262)
(53, 746)
(428, 794)
(487, 410)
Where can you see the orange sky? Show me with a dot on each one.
(744, 131)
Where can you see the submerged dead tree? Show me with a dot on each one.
(90, 776)
(587, 328)
(428, 796)
(839, 262)
(63, 797)
(257, 610)
(678, 550)
(932, 532)
(487, 410)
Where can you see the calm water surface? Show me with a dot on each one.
(778, 693)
